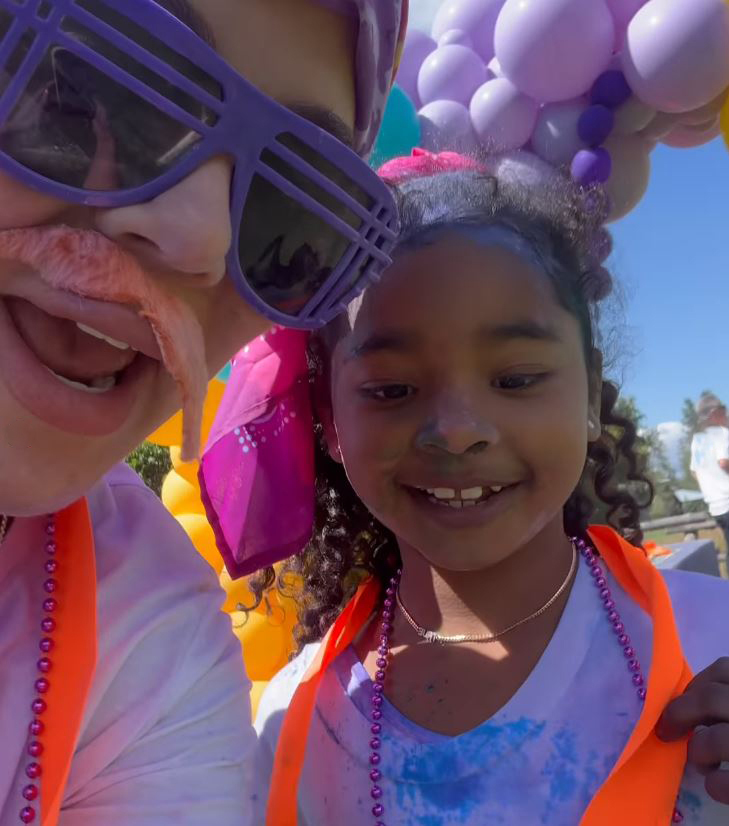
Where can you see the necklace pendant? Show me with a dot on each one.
(430, 636)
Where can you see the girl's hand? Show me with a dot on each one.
(703, 706)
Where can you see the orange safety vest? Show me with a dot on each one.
(74, 654)
(646, 779)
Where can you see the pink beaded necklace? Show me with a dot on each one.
(38, 706)
(384, 656)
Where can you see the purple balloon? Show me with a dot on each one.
(417, 48)
(503, 118)
(595, 125)
(451, 73)
(445, 124)
(553, 50)
(591, 166)
(457, 37)
(555, 137)
(676, 55)
(611, 89)
(477, 17)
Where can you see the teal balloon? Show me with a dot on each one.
(400, 131)
(224, 374)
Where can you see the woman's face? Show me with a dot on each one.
(461, 403)
(297, 52)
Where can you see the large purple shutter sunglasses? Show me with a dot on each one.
(112, 102)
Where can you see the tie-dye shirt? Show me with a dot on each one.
(539, 760)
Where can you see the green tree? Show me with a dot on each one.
(152, 463)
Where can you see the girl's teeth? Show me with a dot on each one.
(456, 504)
(443, 493)
(496, 488)
(120, 345)
(472, 493)
(95, 387)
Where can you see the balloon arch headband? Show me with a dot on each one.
(589, 86)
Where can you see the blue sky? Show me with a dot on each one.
(672, 257)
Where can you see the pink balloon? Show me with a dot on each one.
(555, 137)
(446, 124)
(554, 50)
(676, 55)
(451, 73)
(503, 118)
(417, 48)
(476, 17)
(630, 175)
(688, 137)
(661, 125)
(700, 116)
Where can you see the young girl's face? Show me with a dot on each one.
(461, 402)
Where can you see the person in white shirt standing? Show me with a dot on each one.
(710, 458)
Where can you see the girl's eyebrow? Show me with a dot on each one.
(527, 329)
(402, 342)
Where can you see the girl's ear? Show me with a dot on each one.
(594, 423)
(322, 402)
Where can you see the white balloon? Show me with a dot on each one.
(633, 116)
(555, 137)
(631, 173)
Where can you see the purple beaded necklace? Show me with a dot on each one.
(34, 746)
(384, 656)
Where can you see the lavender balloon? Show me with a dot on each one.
(553, 50)
(457, 37)
(676, 55)
(595, 125)
(417, 48)
(591, 166)
(503, 118)
(623, 12)
(445, 124)
(555, 137)
(476, 17)
(451, 73)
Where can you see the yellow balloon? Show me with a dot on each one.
(170, 433)
(181, 496)
(188, 470)
(266, 644)
(257, 690)
(201, 534)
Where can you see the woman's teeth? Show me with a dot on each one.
(466, 498)
(96, 386)
(90, 331)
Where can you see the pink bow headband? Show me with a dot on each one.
(257, 473)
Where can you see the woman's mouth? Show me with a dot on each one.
(69, 373)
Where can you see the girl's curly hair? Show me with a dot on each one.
(564, 226)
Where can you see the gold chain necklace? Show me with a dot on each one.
(443, 639)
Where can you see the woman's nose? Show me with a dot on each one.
(186, 229)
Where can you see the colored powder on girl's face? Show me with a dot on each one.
(90, 265)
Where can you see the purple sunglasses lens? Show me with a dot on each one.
(76, 125)
(287, 252)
